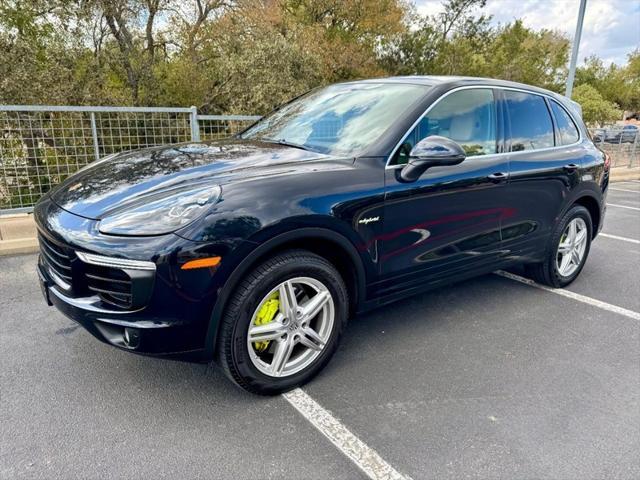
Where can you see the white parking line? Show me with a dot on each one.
(616, 237)
(355, 449)
(623, 190)
(572, 295)
(622, 206)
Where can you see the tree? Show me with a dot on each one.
(38, 51)
(595, 109)
(534, 57)
(247, 56)
(452, 42)
(620, 85)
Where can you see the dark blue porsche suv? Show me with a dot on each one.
(254, 251)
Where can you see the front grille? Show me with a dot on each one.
(112, 285)
(57, 260)
(117, 287)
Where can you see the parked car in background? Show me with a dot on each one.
(612, 135)
(615, 134)
(629, 133)
(254, 251)
(598, 135)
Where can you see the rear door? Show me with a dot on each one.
(545, 165)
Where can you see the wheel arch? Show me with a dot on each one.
(324, 242)
(590, 202)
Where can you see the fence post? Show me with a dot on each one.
(195, 128)
(94, 133)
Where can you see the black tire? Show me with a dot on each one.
(546, 272)
(233, 354)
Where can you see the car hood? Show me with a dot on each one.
(108, 184)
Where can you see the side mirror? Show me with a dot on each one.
(433, 151)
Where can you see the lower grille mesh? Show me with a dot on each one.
(112, 285)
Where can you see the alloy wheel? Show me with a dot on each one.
(572, 246)
(290, 327)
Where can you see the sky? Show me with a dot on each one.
(611, 27)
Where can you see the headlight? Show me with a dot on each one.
(163, 213)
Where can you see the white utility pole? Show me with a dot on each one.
(575, 48)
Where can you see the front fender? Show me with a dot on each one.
(252, 252)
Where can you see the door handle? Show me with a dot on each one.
(498, 177)
(572, 167)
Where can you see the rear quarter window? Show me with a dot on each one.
(531, 126)
(567, 130)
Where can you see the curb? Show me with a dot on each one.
(624, 178)
(621, 174)
(18, 246)
(17, 234)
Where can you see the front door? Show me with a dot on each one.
(447, 223)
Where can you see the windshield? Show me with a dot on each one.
(340, 119)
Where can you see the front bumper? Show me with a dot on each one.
(147, 334)
(170, 311)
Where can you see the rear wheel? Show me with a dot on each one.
(283, 323)
(568, 250)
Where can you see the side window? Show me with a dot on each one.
(467, 117)
(531, 126)
(567, 130)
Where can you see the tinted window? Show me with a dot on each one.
(339, 119)
(567, 131)
(467, 117)
(531, 126)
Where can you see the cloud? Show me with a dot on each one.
(611, 27)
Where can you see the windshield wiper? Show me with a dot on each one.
(286, 143)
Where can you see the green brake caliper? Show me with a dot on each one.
(265, 315)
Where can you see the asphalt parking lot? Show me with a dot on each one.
(490, 378)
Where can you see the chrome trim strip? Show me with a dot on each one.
(493, 87)
(124, 263)
(56, 278)
(90, 304)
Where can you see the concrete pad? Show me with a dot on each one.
(623, 173)
(19, 246)
(17, 234)
(14, 227)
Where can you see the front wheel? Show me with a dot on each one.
(568, 250)
(283, 323)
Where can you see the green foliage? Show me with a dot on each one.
(620, 85)
(523, 55)
(471, 47)
(595, 108)
(247, 56)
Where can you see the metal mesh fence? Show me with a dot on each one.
(39, 150)
(120, 131)
(215, 127)
(41, 146)
(622, 145)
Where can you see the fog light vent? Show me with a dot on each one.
(131, 337)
